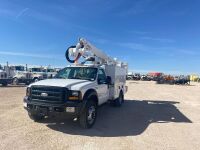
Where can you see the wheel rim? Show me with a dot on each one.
(120, 99)
(91, 114)
(15, 81)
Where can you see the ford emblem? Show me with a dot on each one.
(44, 94)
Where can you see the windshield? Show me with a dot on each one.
(36, 69)
(82, 73)
(19, 68)
(50, 70)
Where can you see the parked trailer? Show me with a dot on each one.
(16, 74)
(4, 80)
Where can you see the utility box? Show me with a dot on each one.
(118, 78)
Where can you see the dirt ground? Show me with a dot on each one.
(152, 117)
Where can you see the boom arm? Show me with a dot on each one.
(87, 50)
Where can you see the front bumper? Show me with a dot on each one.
(5, 81)
(73, 108)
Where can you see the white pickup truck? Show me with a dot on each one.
(77, 90)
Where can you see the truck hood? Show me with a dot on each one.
(72, 84)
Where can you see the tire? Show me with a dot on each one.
(119, 100)
(15, 81)
(36, 80)
(88, 117)
(35, 117)
(4, 84)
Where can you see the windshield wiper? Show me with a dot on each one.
(79, 78)
(88, 79)
(59, 77)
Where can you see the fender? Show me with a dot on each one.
(89, 93)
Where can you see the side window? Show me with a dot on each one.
(101, 76)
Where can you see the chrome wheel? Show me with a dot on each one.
(15, 81)
(120, 99)
(88, 117)
(91, 114)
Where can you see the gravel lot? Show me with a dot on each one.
(152, 117)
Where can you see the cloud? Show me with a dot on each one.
(189, 52)
(7, 12)
(134, 46)
(21, 13)
(161, 51)
(94, 39)
(158, 39)
(139, 32)
(29, 55)
(33, 14)
(136, 7)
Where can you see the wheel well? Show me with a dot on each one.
(15, 78)
(92, 94)
(35, 78)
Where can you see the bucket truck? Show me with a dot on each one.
(80, 88)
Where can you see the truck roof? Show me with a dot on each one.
(79, 65)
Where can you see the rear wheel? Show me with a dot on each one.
(88, 117)
(35, 117)
(119, 100)
(27, 83)
(15, 81)
(36, 80)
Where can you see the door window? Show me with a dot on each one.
(101, 77)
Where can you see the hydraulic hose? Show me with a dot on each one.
(67, 55)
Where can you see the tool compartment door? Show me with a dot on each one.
(103, 92)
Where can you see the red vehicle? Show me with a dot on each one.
(155, 75)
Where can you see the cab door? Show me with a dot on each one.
(102, 90)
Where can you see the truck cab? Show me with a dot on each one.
(50, 72)
(4, 78)
(37, 73)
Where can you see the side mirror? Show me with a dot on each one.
(109, 80)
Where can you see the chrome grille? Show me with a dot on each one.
(48, 94)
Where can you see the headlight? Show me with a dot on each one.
(75, 95)
(28, 91)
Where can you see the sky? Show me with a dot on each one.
(151, 35)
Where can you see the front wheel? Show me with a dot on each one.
(15, 81)
(88, 117)
(35, 117)
(4, 84)
(36, 79)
